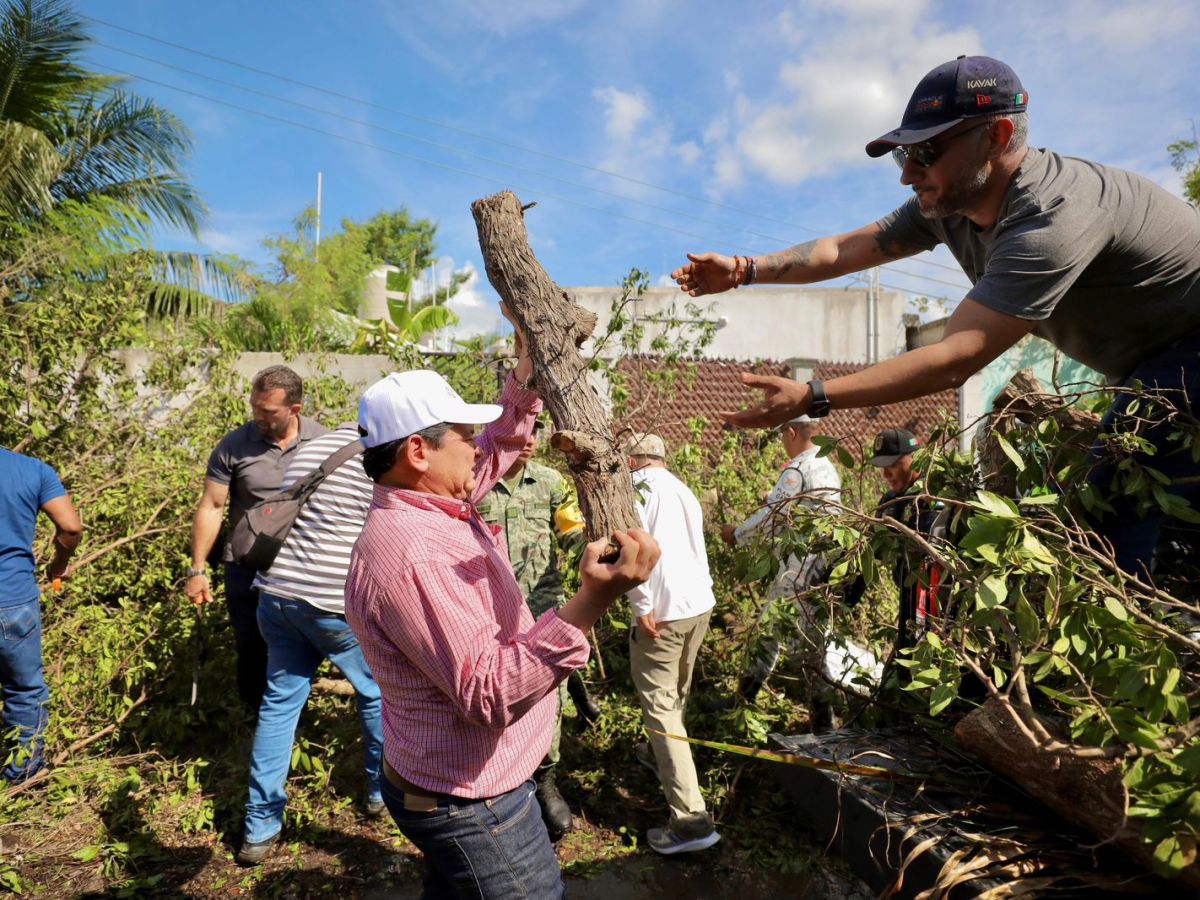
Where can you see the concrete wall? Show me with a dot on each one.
(354, 368)
(828, 324)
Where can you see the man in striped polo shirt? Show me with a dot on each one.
(301, 617)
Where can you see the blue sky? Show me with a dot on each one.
(642, 128)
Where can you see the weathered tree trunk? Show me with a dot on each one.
(1088, 792)
(555, 327)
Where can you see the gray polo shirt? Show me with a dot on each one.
(1105, 261)
(253, 467)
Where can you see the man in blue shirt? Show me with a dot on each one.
(27, 485)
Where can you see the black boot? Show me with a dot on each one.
(555, 812)
(588, 709)
(748, 688)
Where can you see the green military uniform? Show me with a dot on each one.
(535, 508)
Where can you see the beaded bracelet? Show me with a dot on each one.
(751, 271)
(737, 272)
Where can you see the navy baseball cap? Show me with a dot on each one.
(960, 89)
(891, 445)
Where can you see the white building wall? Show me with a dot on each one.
(826, 324)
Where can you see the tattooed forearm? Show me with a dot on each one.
(787, 265)
(889, 248)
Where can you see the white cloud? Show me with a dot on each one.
(1130, 26)
(848, 75)
(474, 303)
(640, 139)
(624, 111)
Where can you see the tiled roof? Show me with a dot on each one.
(705, 387)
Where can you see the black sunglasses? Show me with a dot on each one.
(925, 154)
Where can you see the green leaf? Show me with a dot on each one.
(996, 505)
(992, 592)
(87, 854)
(1011, 452)
(1115, 609)
(941, 697)
(1177, 707)
(1028, 624)
(1175, 853)
(1039, 500)
(1189, 759)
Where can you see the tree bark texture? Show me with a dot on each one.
(1088, 792)
(555, 327)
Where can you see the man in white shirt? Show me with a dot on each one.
(671, 610)
(812, 482)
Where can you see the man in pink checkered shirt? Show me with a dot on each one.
(468, 677)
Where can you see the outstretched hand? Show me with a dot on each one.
(706, 273)
(783, 400)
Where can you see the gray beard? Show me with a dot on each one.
(958, 196)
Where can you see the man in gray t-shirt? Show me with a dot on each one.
(1102, 263)
(247, 466)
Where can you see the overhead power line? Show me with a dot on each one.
(451, 149)
(460, 171)
(478, 136)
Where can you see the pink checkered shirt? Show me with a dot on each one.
(467, 676)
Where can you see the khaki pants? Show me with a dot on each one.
(662, 674)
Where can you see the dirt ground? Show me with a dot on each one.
(358, 858)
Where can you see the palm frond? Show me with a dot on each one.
(128, 148)
(222, 279)
(39, 41)
(28, 168)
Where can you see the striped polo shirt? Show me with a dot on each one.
(312, 564)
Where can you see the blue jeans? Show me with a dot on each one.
(23, 689)
(492, 849)
(299, 637)
(1175, 371)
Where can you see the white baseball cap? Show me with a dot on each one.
(407, 402)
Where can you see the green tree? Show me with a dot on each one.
(72, 134)
(1185, 157)
(310, 296)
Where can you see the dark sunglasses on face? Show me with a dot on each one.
(926, 153)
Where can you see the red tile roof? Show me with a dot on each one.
(663, 399)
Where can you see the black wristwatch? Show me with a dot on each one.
(820, 403)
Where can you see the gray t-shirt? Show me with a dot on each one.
(1107, 262)
(253, 467)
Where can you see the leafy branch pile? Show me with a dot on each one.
(1077, 681)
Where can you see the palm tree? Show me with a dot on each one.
(70, 134)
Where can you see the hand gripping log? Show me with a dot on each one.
(555, 327)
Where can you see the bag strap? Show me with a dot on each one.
(304, 488)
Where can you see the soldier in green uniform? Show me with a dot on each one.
(536, 509)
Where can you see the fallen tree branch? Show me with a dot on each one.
(555, 327)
